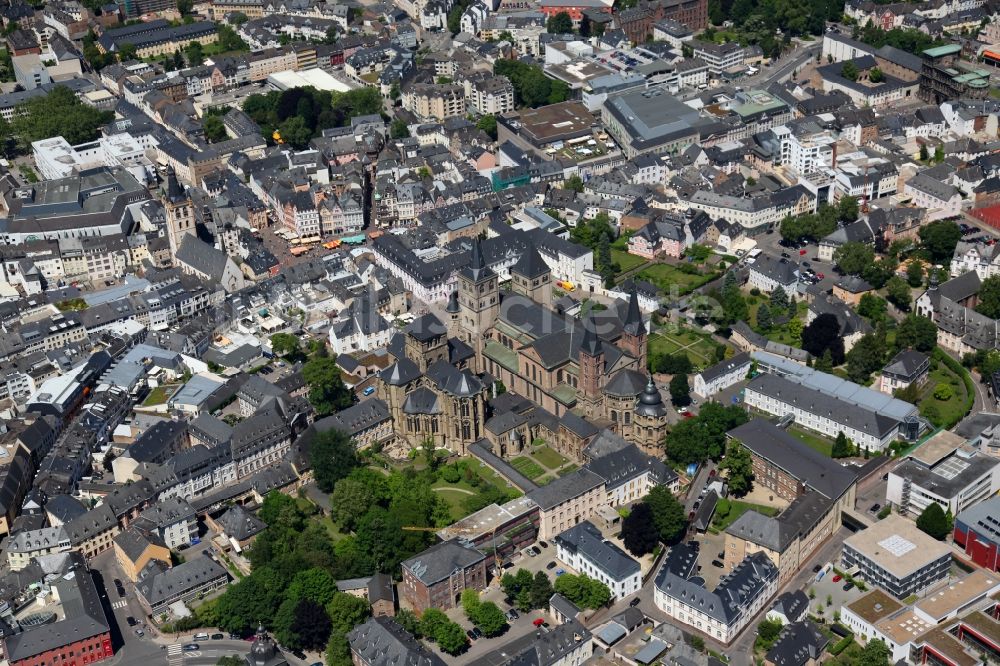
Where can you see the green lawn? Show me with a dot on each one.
(699, 348)
(455, 499)
(548, 457)
(528, 467)
(737, 509)
(626, 261)
(812, 440)
(157, 396)
(568, 469)
(668, 278)
(944, 413)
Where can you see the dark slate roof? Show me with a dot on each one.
(401, 372)
(163, 586)
(356, 418)
(736, 591)
(422, 401)
(810, 467)
(907, 364)
(626, 382)
(725, 367)
(134, 542)
(793, 605)
(440, 561)
(799, 643)
(630, 463)
(380, 641)
(530, 265)
(210, 429)
(578, 425)
(64, 508)
(585, 539)
(565, 488)
(239, 523)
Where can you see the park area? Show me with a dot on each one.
(947, 396)
(699, 347)
(627, 262)
(728, 510)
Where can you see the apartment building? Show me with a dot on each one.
(585, 550)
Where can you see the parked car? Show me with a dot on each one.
(120, 588)
(369, 390)
(821, 276)
(721, 556)
(560, 572)
(539, 622)
(635, 602)
(543, 544)
(512, 614)
(218, 637)
(817, 568)
(139, 632)
(477, 632)
(550, 566)
(130, 621)
(786, 255)
(837, 578)
(717, 564)
(875, 507)
(848, 586)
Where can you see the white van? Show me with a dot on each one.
(201, 637)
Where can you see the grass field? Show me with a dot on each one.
(668, 277)
(944, 413)
(528, 467)
(157, 396)
(455, 499)
(737, 509)
(699, 348)
(812, 440)
(548, 457)
(572, 467)
(626, 261)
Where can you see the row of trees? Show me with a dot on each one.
(822, 223)
(525, 591)
(484, 614)
(433, 625)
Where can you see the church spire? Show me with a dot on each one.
(591, 344)
(633, 316)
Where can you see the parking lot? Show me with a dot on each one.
(838, 596)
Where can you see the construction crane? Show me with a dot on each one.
(462, 531)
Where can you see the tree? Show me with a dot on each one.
(849, 71)
(230, 660)
(940, 238)
(939, 153)
(489, 618)
(823, 334)
(285, 344)
(841, 447)
(875, 75)
(559, 24)
(349, 502)
(583, 591)
(825, 362)
(488, 124)
(898, 292)
(295, 132)
(309, 628)
(59, 113)
(764, 320)
(872, 307)
(639, 532)
(585, 26)
(333, 456)
(408, 620)
(943, 392)
(768, 631)
(704, 436)
(874, 653)
(215, 131)
(327, 393)
(989, 297)
(866, 356)
(541, 590)
(934, 522)
(739, 468)
(916, 332)
(316, 584)
(398, 129)
(431, 622)
(852, 258)
(847, 209)
(451, 638)
(915, 273)
(924, 155)
(195, 54)
(778, 300)
(574, 182)
(668, 514)
(680, 391)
